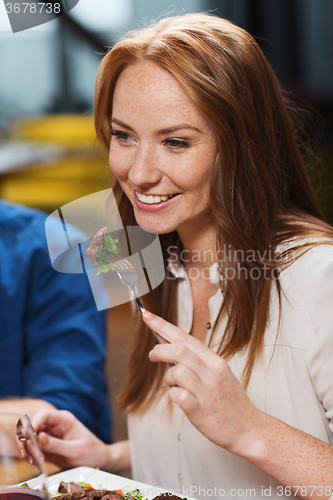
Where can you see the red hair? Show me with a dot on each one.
(261, 194)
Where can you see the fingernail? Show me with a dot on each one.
(147, 315)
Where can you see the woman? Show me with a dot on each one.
(204, 151)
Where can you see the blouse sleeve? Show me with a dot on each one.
(320, 353)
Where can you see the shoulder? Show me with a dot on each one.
(317, 266)
(17, 221)
(307, 288)
(304, 305)
(311, 262)
(308, 279)
(22, 235)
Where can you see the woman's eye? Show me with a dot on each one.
(177, 143)
(121, 136)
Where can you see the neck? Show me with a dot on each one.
(199, 244)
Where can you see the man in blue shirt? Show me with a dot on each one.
(52, 338)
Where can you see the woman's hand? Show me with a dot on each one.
(66, 442)
(203, 385)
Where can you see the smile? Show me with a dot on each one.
(154, 202)
(153, 199)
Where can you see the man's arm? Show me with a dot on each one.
(24, 405)
(65, 343)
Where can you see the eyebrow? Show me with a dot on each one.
(168, 130)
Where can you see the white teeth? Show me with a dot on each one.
(150, 200)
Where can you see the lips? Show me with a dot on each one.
(154, 202)
(153, 199)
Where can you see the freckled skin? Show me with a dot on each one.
(149, 99)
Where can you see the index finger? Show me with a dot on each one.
(46, 418)
(166, 330)
(173, 334)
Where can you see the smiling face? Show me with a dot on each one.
(162, 150)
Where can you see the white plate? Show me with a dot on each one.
(99, 479)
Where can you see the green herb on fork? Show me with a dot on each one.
(102, 263)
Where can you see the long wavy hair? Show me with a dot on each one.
(260, 196)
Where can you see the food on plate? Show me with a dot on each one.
(84, 491)
(168, 496)
(101, 247)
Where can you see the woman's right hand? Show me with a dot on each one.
(66, 442)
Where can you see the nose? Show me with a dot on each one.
(145, 170)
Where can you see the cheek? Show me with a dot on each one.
(196, 176)
(119, 162)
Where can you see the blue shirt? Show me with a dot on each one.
(52, 338)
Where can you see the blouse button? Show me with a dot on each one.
(208, 326)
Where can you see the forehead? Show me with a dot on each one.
(146, 90)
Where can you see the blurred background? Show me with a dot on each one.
(46, 89)
(47, 78)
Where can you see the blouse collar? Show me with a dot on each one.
(178, 271)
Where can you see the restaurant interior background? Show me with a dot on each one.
(47, 77)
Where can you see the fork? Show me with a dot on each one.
(129, 276)
(28, 442)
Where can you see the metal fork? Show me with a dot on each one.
(129, 276)
(28, 442)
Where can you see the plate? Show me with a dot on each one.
(100, 479)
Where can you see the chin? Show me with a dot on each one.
(151, 228)
(151, 225)
(154, 228)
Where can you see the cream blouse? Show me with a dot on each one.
(293, 382)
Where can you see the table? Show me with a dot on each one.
(22, 471)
